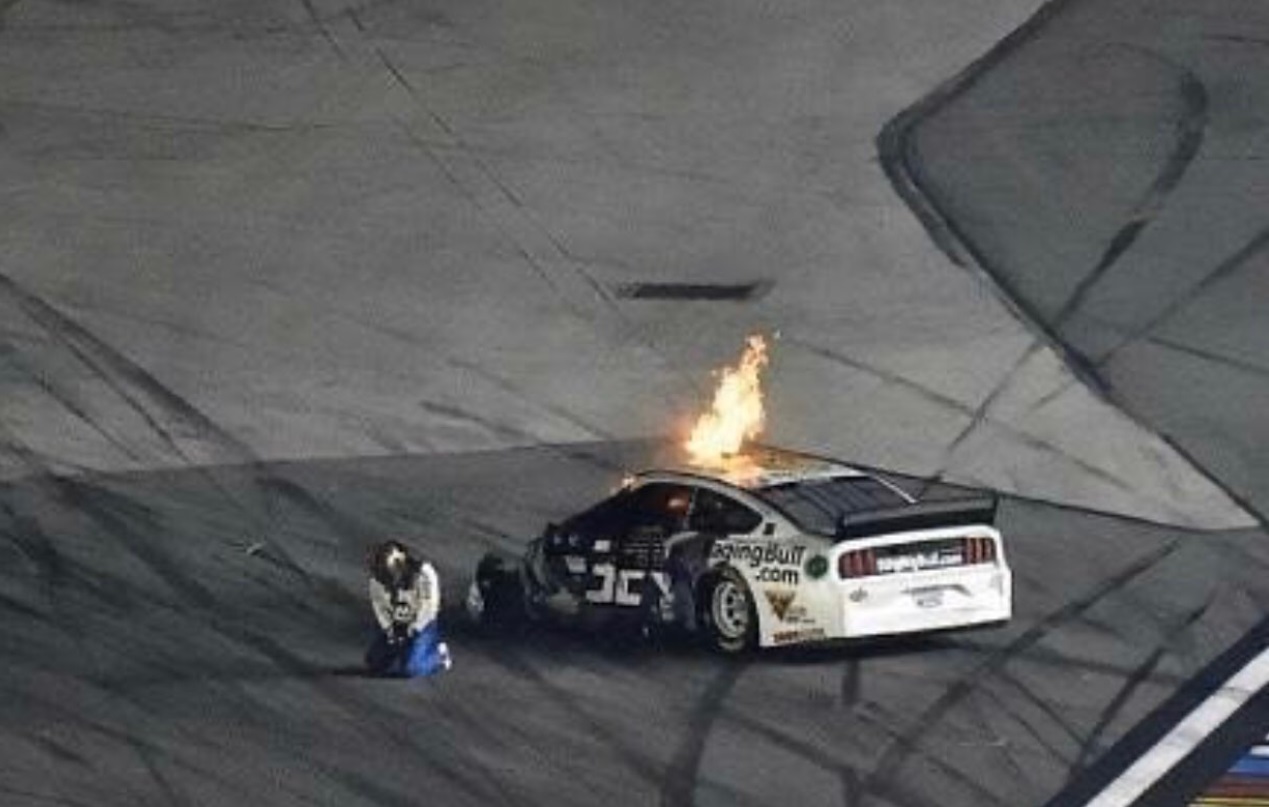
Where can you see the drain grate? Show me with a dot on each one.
(708, 292)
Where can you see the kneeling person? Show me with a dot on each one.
(405, 595)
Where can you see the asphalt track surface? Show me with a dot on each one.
(195, 637)
(1119, 208)
(183, 612)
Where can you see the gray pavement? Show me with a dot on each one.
(1119, 201)
(278, 280)
(195, 636)
(403, 227)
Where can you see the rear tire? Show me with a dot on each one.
(728, 614)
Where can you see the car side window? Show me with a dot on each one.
(659, 504)
(715, 513)
(604, 519)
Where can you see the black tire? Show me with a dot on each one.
(498, 583)
(728, 614)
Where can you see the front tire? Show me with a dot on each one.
(494, 599)
(728, 614)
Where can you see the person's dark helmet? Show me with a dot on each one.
(391, 564)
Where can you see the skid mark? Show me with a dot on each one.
(678, 785)
(1253, 249)
(1132, 683)
(1189, 130)
(906, 743)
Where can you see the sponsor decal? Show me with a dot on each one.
(780, 602)
(817, 567)
(756, 554)
(799, 635)
(787, 577)
(786, 609)
(797, 615)
(916, 561)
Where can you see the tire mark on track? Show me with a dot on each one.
(41, 797)
(900, 793)
(577, 289)
(171, 796)
(320, 24)
(678, 785)
(17, 606)
(1016, 715)
(1017, 767)
(852, 684)
(115, 514)
(514, 391)
(69, 402)
(146, 395)
(1140, 675)
(113, 367)
(899, 749)
(1228, 362)
(1047, 709)
(1190, 131)
(977, 415)
(635, 759)
(35, 544)
(825, 760)
(1226, 268)
(373, 720)
(71, 716)
(372, 791)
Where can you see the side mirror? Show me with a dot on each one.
(552, 530)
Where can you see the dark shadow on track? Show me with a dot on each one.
(155, 615)
(1112, 205)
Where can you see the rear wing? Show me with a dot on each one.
(980, 510)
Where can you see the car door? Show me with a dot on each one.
(714, 517)
(633, 556)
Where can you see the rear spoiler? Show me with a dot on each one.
(980, 510)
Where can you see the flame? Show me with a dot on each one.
(737, 413)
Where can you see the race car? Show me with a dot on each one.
(773, 548)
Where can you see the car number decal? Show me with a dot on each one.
(613, 586)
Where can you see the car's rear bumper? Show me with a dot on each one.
(926, 602)
(898, 604)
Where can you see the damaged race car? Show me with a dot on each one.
(772, 548)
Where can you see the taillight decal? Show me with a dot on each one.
(979, 550)
(940, 553)
(857, 563)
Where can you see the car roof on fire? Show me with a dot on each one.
(759, 467)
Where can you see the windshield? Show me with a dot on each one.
(817, 505)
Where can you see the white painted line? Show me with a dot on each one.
(1186, 735)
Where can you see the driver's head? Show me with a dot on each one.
(392, 563)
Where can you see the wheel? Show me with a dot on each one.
(494, 599)
(730, 619)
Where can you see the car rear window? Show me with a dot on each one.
(818, 505)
